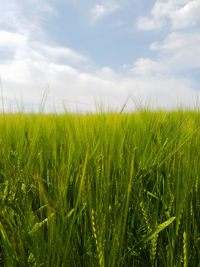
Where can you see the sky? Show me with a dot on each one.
(78, 55)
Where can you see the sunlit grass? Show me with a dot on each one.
(105, 189)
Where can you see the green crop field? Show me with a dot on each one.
(101, 189)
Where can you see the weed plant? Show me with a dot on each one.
(100, 190)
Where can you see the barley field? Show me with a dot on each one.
(103, 189)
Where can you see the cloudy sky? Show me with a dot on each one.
(79, 54)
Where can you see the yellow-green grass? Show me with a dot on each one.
(100, 190)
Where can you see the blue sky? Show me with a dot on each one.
(95, 51)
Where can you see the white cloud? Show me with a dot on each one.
(23, 48)
(180, 50)
(178, 53)
(186, 16)
(55, 53)
(69, 85)
(25, 17)
(29, 63)
(102, 10)
(27, 77)
(147, 66)
(178, 13)
(145, 23)
(11, 39)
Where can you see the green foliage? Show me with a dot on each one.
(158, 229)
(100, 190)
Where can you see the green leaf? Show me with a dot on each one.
(37, 226)
(7, 246)
(152, 195)
(70, 213)
(158, 229)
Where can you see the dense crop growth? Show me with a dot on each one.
(100, 190)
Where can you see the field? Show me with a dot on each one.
(101, 189)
